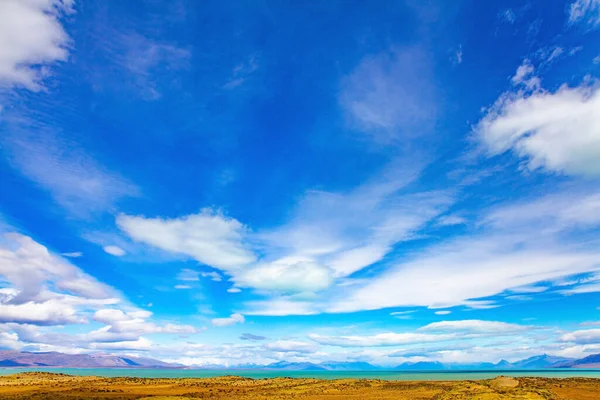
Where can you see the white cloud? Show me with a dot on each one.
(451, 220)
(139, 344)
(50, 312)
(134, 323)
(41, 290)
(397, 313)
(382, 339)
(474, 326)
(147, 60)
(524, 75)
(74, 179)
(443, 312)
(182, 287)
(287, 275)
(459, 55)
(442, 276)
(213, 275)
(587, 336)
(535, 233)
(209, 237)
(319, 244)
(568, 210)
(233, 319)
(508, 15)
(74, 254)
(586, 11)
(279, 306)
(234, 290)
(291, 346)
(188, 275)
(29, 266)
(323, 229)
(557, 131)
(114, 250)
(390, 96)
(31, 38)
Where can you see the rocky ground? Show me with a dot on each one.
(57, 386)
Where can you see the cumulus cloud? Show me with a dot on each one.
(306, 255)
(50, 312)
(557, 131)
(43, 290)
(288, 275)
(134, 322)
(231, 320)
(209, 237)
(31, 38)
(587, 336)
(29, 266)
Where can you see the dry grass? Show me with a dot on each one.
(62, 387)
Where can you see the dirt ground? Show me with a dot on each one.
(38, 385)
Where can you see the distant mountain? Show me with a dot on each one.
(538, 362)
(535, 362)
(295, 366)
(55, 359)
(421, 366)
(503, 364)
(592, 361)
(349, 366)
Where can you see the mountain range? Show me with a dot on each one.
(55, 359)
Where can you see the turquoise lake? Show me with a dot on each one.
(261, 374)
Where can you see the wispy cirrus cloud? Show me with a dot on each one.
(390, 96)
(533, 233)
(60, 165)
(585, 11)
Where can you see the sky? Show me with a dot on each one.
(234, 182)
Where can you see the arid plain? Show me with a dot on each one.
(58, 386)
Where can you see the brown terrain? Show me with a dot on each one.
(40, 385)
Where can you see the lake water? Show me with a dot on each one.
(260, 374)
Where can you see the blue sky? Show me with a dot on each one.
(237, 182)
